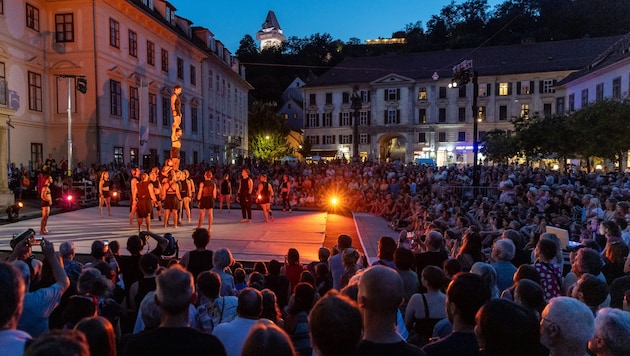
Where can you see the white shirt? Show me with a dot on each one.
(12, 342)
(233, 334)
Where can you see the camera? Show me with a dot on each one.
(36, 241)
(27, 235)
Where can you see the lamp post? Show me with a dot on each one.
(356, 104)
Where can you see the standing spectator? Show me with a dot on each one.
(296, 320)
(232, 335)
(335, 325)
(12, 291)
(174, 294)
(566, 327)
(386, 249)
(336, 261)
(380, 293)
(265, 338)
(292, 267)
(199, 259)
(612, 333)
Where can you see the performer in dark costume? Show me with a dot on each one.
(245, 190)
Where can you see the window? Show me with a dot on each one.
(365, 95)
(285, 116)
(484, 90)
(571, 102)
(151, 53)
(114, 33)
(134, 103)
(392, 116)
(503, 89)
(193, 75)
(37, 152)
(1, 6)
(442, 93)
(194, 122)
(345, 139)
(442, 115)
(3, 84)
(345, 97)
(461, 136)
(329, 139)
(547, 86)
(345, 119)
(502, 112)
(392, 94)
(616, 88)
(422, 94)
(462, 115)
(119, 155)
(481, 135)
(164, 57)
(364, 139)
(327, 119)
(584, 98)
(133, 156)
(166, 111)
(152, 108)
(314, 140)
(328, 98)
(422, 137)
(364, 118)
(313, 120)
(462, 91)
(525, 111)
(133, 44)
(547, 110)
(599, 92)
(34, 91)
(32, 17)
(115, 97)
(441, 136)
(180, 68)
(560, 105)
(64, 28)
(312, 99)
(524, 87)
(210, 76)
(422, 116)
(481, 113)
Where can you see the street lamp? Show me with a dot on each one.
(356, 107)
(462, 74)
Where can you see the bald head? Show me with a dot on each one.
(380, 290)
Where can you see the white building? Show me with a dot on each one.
(408, 110)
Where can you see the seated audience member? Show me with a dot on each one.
(323, 254)
(296, 320)
(350, 259)
(335, 325)
(221, 260)
(256, 280)
(506, 328)
(470, 250)
(586, 260)
(523, 272)
(489, 276)
(531, 296)
(213, 309)
(174, 293)
(591, 291)
(502, 254)
(566, 326)
(100, 335)
(464, 296)
(618, 287)
(199, 259)
(451, 267)
(403, 259)
(612, 333)
(426, 309)
(435, 253)
(278, 283)
(615, 256)
(521, 257)
(270, 308)
(38, 305)
(336, 261)
(59, 342)
(149, 265)
(265, 338)
(292, 267)
(12, 288)
(323, 279)
(232, 335)
(385, 254)
(240, 281)
(550, 274)
(380, 293)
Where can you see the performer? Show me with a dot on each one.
(264, 194)
(187, 192)
(171, 198)
(226, 193)
(46, 199)
(157, 189)
(206, 196)
(146, 198)
(176, 145)
(104, 184)
(176, 106)
(245, 190)
(285, 190)
(133, 198)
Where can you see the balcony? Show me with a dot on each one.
(233, 141)
(4, 93)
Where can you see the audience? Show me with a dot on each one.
(566, 326)
(12, 288)
(232, 335)
(335, 325)
(267, 339)
(612, 333)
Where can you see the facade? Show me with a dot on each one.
(270, 34)
(131, 54)
(408, 111)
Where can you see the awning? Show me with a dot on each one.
(324, 153)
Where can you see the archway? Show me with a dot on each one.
(393, 147)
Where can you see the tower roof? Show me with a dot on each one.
(271, 22)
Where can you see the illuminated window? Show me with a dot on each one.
(422, 94)
(503, 89)
(525, 111)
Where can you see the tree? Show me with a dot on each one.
(306, 147)
(248, 50)
(267, 132)
(498, 146)
(269, 147)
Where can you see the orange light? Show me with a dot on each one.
(334, 201)
(259, 196)
(69, 198)
(115, 194)
(20, 204)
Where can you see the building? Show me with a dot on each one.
(131, 54)
(408, 111)
(271, 34)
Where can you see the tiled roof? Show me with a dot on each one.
(271, 22)
(488, 61)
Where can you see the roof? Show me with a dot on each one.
(488, 61)
(271, 22)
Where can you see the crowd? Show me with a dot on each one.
(468, 271)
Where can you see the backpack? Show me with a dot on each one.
(222, 310)
(172, 247)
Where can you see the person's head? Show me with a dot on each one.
(274, 267)
(350, 256)
(530, 295)
(616, 252)
(209, 284)
(79, 307)
(222, 258)
(506, 328)
(526, 272)
(386, 248)
(135, 244)
(263, 177)
(609, 228)
(98, 249)
(174, 290)
(545, 250)
(566, 323)
(177, 89)
(260, 267)
(380, 291)
(100, 335)
(256, 280)
(149, 263)
(335, 325)
(114, 247)
(435, 240)
(488, 274)
(201, 237)
(304, 297)
(464, 296)
(515, 236)
(270, 307)
(612, 333)
(323, 254)
(66, 250)
(293, 257)
(587, 260)
(245, 173)
(266, 338)
(106, 270)
(433, 278)
(451, 267)
(403, 259)
(249, 303)
(344, 241)
(59, 343)
(591, 290)
(92, 282)
(12, 291)
(503, 250)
